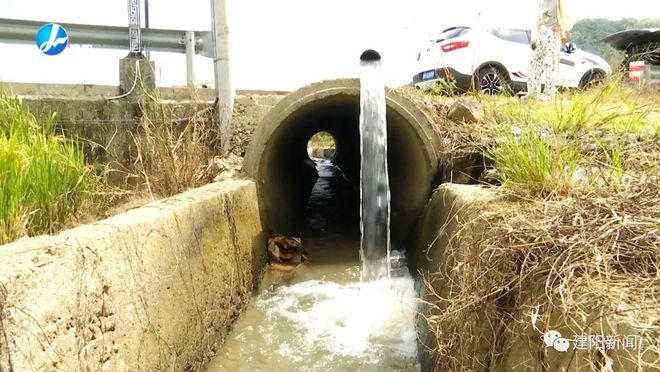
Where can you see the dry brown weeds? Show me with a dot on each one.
(175, 147)
(585, 261)
(589, 263)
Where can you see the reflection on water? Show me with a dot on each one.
(319, 317)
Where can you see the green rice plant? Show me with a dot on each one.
(59, 181)
(43, 176)
(532, 164)
(15, 120)
(12, 211)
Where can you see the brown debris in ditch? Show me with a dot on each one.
(285, 253)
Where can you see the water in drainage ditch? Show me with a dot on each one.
(321, 317)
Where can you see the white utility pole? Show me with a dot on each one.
(223, 86)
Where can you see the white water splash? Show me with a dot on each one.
(325, 325)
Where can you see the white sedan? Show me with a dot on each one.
(496, 61)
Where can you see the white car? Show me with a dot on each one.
(496, 61)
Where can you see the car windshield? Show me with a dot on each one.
(449, 33)
(516, 36)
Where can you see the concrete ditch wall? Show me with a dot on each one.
(439, 226)
(155, 288)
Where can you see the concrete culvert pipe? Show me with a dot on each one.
(277, 156)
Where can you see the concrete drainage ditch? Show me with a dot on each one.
(159, 287)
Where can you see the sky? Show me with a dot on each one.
(277, 44)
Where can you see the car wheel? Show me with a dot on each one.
(591, 79)
(492, 81)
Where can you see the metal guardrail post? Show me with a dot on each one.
(190, 58)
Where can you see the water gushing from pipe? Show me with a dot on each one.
(374, 183)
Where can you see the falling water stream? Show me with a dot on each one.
(374, 183)
(327, 315)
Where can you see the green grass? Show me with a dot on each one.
(582, 138)
(43, 176)
(534, 164)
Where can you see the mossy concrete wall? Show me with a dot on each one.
(153, 289)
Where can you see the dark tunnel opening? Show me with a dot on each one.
(278, 158)
(331, 231)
